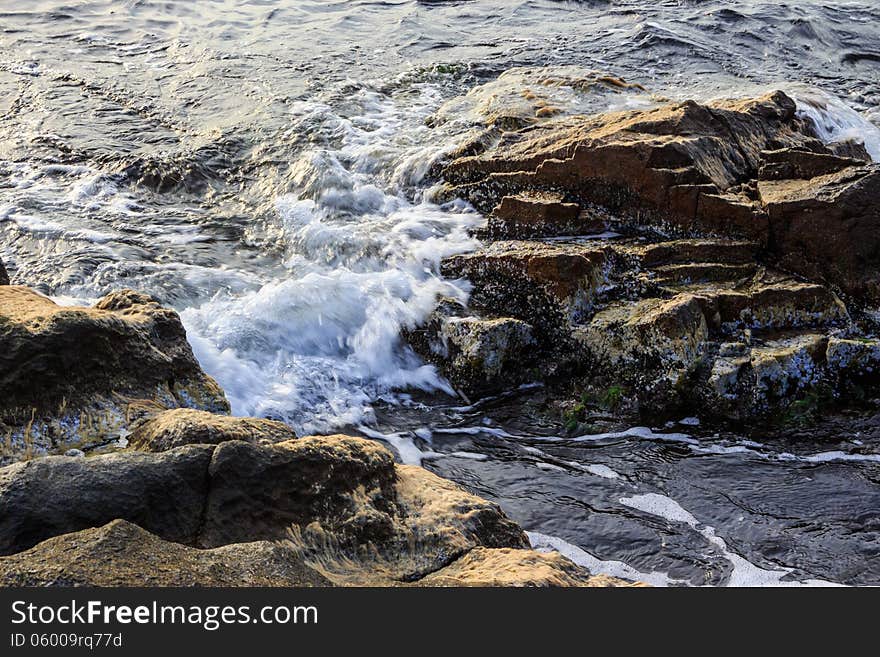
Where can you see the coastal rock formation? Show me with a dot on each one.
(75, 376)
(186, 426)
(163, 493)
(506, 567)
(476, 353)
(207, 496)
(547, 285)
(715, 256)
(342, 510)
(122, 554)
(750, 169)
(825, 226)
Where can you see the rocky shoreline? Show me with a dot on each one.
(716, 259)
(192, 496)
(713, 259)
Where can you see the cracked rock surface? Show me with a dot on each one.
(715, 256)
(307, 511)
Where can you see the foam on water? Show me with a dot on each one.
(837, 121)
(403, 444)
(744, 572)
(362, 255)
(596, 566)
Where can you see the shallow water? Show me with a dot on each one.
(264, 170)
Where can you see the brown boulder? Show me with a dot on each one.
(258, 493)
(336, 491)
(748, 168)
(546, 285)
(525, 216)
(186, 426)
(77, 375)
(827, 227)
(519, 568)
(801, 164)
(123, 554)
(680, 163)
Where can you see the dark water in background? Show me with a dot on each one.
(261, 166)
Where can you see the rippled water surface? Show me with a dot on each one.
(264, 168)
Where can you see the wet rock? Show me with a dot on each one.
(778, 305)
(654, 343)
(672, 252)
(487, 353)
(668, 321)
(163, 493)
(785, 366)
(726, 381)
(680, 164)
(850, 148)
(750, 169)
(185, 426)
(75, 376)
(546, 285)
(802, 164)
(477, 355)
(333, 492)
(855, 361)
(826, 228)
(123, 554)
(506, 567)
(751, 380)
(526, 216)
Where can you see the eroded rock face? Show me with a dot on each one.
(122, 554)
(547, 285)
(72, 376)
(667, 162)
(337, 494)
(476, 354)
(746, 168)
(826, 227)
(692, 255)
(186, 426)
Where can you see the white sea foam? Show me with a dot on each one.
(475, 431)
(473, 456)
(601, 471)
(644, 433)
(837, 121)
(827, 457)
(403, 444)
(596, 566)
(319, 346)
(744, 573)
